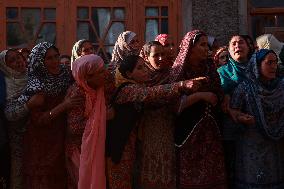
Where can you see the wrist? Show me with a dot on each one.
(181, 87)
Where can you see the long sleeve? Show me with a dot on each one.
(15, 110)
(238, 98)
(138, 93)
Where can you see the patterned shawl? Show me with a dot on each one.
(265, 99)
(76, 49)
(185, 49)
(122, 49)
(40, 80)
(15, 81)
(92, 158)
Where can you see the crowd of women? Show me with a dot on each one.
(208, 118)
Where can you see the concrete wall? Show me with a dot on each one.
(219, 18)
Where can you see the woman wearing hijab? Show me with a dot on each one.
(157, 141)
(81, 48)
(269, 41)
(89, 74)
(198, 140)
(221, 57)
(259, 104)
(133, 91)
(167, 41)
(76, 117)
(126, 44)
(232, 74)
(43, 159)
(13, 65)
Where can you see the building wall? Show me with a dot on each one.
(219, 18)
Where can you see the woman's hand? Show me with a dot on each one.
(35, 101)
(240, 117)
(246, 119)
(209, 97)
(193, 85)
(110, 113)
(226, 104)
(73, 101)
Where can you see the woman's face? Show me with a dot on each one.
(65, 61)
(25, 54)
(52, 61)
(238, 49)
(157, 57)
(223, 58)
(268, 67)
(16, 61)
(199, 52)
(140, 73)
(134, 43)
(96, 77)
(87, 48)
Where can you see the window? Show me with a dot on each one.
(156, 20)
(26, 26)
(101, 21)
(267, 17)
(101, 25)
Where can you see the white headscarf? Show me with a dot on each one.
(15, 81)
(75, 50)
(268, 41)
(121, 47)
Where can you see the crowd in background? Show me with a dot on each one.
(157, 116)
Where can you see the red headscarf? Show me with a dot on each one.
(216, 56)
(162, 38)
(185, 49)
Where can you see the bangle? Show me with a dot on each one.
(180, 87)
(238, 117)
(50, 114)
(181, 84)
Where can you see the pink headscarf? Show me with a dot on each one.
(185, 49)
(162, 38)
(92, 158)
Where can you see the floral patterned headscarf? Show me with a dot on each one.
(162, 38)
(186, 45)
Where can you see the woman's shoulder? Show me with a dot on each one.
(75, 89)
(225, 69)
